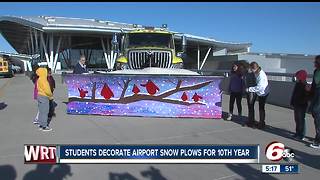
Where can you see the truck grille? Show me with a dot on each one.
(141, 59)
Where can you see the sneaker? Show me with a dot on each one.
(229, 118)
(35, 122)
(46, 129)
(303, 139)
(315, 145)
(299, 138)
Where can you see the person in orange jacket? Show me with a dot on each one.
(44, 95)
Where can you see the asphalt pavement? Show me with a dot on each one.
(18, 109)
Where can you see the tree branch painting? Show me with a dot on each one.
(141, 97)
(145, 95)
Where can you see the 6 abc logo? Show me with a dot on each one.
(276, 151)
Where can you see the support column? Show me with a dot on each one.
(69, 57)
(51, 51)
(29, 47)
(198, 57)
(113, 58)
(89, 56)
(56, 55)
(36, 41)
(25, 66)
(29, 66)
(205, 58)
(31, 39)
(45, 49)
(108, 44)
(105, 54)
(41, 50)
(70, 50)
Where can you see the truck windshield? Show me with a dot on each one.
(150, 39)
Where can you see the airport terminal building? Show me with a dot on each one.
(59, 42)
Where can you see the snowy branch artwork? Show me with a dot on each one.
(152, 88)
(168, 96)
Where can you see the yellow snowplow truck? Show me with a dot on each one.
(148, 47)
(5, 67)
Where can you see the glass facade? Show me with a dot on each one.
(95, 58)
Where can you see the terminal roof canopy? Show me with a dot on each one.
(16, 30)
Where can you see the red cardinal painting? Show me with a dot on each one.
(106, 92)
(184, 96)
(196, 97)
(151, 87)
(82, 93)
(135, 89)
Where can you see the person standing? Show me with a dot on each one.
(52, 84)
(44, 95)
(315, 103)
(34, 78)
(80, 67)
(249, 80)
(261, 91)
(299, 101)
(235, 89)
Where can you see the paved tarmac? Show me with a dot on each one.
(17, 110)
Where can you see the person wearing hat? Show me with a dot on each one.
(299, 102)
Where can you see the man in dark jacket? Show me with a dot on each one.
(51, 80)
(33, 76)
(80, 67)
(299, 101)
(249, 80)
(52, 84)
(315, 103)
(261, 91)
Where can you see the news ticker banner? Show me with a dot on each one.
(280, 169)
(82, 154)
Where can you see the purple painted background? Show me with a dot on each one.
(210, 106)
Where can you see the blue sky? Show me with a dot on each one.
(271, 27)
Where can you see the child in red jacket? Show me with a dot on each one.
(299, 101)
